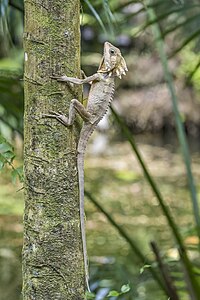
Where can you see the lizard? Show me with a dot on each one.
(100, 96)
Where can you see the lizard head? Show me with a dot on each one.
(112, 62)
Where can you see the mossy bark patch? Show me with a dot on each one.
(52, 251)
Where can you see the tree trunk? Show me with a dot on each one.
(52, 252)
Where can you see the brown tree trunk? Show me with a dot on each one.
(52, 251)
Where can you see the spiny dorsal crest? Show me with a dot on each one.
(112, 62)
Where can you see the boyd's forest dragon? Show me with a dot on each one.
(100, 96)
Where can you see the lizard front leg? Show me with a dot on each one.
(89, 79)
(75, 106)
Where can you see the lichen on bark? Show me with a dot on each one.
(52, 251)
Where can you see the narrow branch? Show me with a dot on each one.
(165, 273)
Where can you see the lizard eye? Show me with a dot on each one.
(112, 51)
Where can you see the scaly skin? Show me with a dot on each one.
(100, 96)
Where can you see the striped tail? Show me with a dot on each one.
(80, 162)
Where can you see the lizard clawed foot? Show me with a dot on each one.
(64, 79)
(58, 116)
(54, 77)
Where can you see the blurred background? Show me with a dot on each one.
(133, 241)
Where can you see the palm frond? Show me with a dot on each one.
(109, 16)
(179, 124)
(173, 28)
(96, 15)
(192, 74)
(189, 39)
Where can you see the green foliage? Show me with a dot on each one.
(17, 173)
(178, 19)
(11, 103)
(96, 15)
(11, 65)
(134, 247)
(6, 158)
(101, 11)
(11, 87)
(188, 265)
(190, 67)
(124, 290)
(164, 207)
(6, 152)
(179, 125)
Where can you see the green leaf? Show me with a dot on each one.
(125, 288)
(6, 157)
(1, 164)
(17, 173)
(113, 293)
(4, 147)
(21, 177)
(9, 155)
(14, 175)
(144, 267)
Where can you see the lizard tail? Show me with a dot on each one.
(80, 162)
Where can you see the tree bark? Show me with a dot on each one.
(52, 252)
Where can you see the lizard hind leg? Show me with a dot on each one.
(75, 106)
